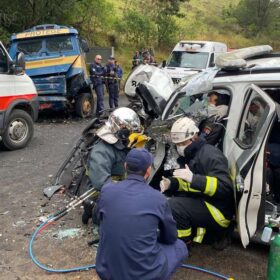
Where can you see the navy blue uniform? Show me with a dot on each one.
(113, 86)
(96, 75)
(138, 238)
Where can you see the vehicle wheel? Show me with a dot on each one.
(84, 105)
(19, 130)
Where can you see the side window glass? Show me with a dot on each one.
(254, 118)
(211, 61)
(3, 61)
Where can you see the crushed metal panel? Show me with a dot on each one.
(237, 59)
(138, 75)
(200, 82)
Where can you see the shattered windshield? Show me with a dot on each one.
(197, 60)
(189, 105)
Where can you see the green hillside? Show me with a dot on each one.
(202, 20)
(129, 25)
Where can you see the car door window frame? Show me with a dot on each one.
(249, 97)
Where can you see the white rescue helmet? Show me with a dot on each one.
(121, 120)
(183, 129)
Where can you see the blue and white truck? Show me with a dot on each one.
(55, 61)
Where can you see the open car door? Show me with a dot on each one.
(247, 160)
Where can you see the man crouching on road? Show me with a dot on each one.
(138, 236)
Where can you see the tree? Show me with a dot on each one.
(161, 14)
(17, 15)
(255, 16)
(136, 28)
(93, 19)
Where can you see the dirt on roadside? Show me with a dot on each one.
(24, 174)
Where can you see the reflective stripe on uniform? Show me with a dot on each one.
(217, 215)
(185, 186)
(199, 235)
(184, 232)
(211, 185)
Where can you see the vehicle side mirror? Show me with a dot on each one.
(163, 63)
(84, 45)
(212, 64)
(19, 65)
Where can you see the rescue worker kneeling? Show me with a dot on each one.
(203, 202)
(138, 236)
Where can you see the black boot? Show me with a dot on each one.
(88, 206)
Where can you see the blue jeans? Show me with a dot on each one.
(99, 90)
(175, 254)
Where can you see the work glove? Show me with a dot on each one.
(184, 173)
(164, 184)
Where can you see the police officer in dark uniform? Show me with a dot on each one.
(202, 203)
(138, 237)
(96, 71)
(112, 82)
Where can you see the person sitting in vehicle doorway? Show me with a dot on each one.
(212, 128)
(138, 237)
(202, 201)
(106, 159)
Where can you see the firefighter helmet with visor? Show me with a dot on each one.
(182, 130)
(121, 123)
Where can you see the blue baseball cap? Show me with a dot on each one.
(139, 159)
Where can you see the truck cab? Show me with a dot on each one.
(55, 61)
(18, 102)
(191, 57)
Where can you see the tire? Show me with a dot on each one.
(84, 105)
(19, 130)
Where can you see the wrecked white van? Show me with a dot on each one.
(250, 78)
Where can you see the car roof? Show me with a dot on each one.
(248, 57)
(265, 62)
(252, 60)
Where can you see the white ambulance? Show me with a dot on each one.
(18, 102)
(191, 57)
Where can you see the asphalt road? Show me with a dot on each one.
(24, 174)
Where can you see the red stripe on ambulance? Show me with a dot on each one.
(5, 101)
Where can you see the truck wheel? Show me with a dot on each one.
(19, 130)
(84, 105)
